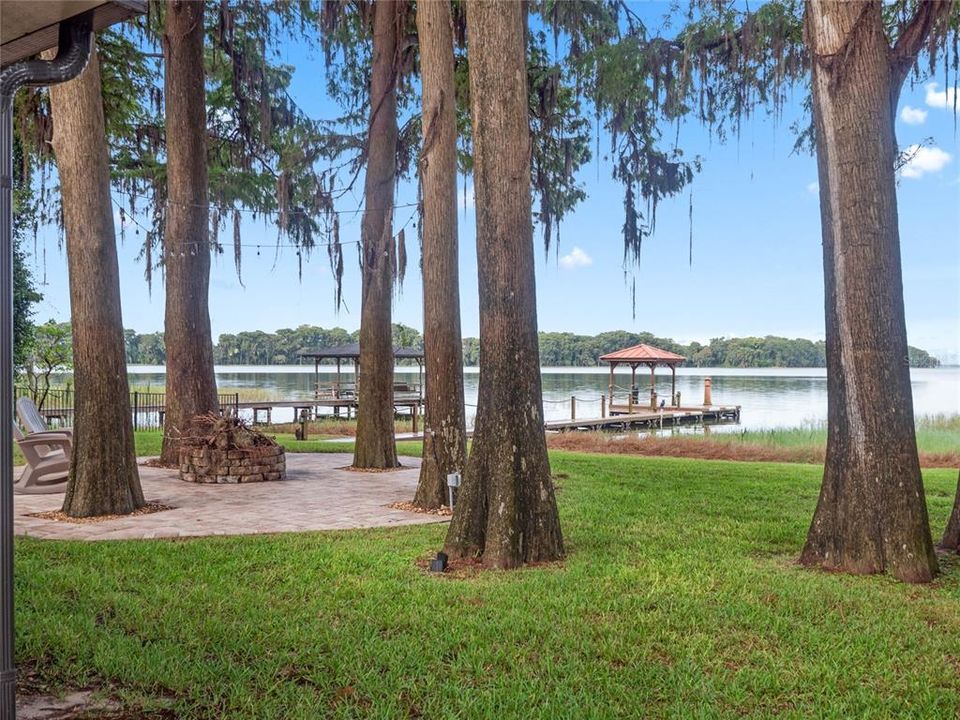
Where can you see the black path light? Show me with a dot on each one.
(28, 28)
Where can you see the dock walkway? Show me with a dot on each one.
(667, 417)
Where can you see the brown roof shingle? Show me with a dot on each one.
(644, 354)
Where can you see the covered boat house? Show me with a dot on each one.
(627, 400)
(342, 391)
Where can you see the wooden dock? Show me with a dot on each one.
(313, 407)
(153, 406)
(666, 417)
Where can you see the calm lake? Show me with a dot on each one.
(770, 397)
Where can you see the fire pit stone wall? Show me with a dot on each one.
(226, 450)
(211, 465)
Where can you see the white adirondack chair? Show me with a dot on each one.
(48, 462)
(33, 420)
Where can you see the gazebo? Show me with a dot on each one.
(351, 353)
(650, 357)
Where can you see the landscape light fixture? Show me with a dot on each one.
(440, 563)
(453, 481)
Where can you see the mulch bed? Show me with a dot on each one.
(155, 463)
(468, 568)
(410, 507)
(351, 468)
(60, 516)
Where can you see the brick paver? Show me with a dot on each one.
(318, 494)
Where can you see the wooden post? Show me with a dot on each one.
(612, 366)
(653, 386)
(573, 407)
(673, 386)
(413, 412)
(707, 391)
(603, 406)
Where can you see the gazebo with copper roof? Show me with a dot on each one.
(650, 357)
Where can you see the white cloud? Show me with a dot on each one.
(940, 98)
(813, 188)
(923, 160)
(575, 258)
(913, 116)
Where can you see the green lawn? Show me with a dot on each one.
(679, 598)
(148, 444)
(149, 441)
(935, 434)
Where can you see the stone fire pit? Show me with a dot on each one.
(225, 450)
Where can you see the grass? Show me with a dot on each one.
(938, 440)
(335, 427)
(935, 434)
(679, 598)
(148, 443)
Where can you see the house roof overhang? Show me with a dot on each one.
(27, 27)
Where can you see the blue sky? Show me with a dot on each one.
(757, 266)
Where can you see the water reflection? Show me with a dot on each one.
(770, 397)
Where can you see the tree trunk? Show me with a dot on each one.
(871, 516)
(103, 472)
(375, 444)
(191, 382)
(507, 511)
(951, 536)
(444, 439)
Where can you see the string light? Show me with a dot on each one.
(224, 209)
(127, 217)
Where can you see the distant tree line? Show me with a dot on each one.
(556, 349)
(570, 350)
(256, 347)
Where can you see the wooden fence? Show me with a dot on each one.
(147, 408)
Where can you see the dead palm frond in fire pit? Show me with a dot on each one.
(217, 449)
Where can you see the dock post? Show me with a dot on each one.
(707, 391)
(610, 388)
(413, 412)
(573, 407)
(603, 406)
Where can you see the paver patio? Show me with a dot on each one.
(318, 494)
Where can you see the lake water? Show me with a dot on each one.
(770, 397)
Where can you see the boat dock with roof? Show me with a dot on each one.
(622, 408)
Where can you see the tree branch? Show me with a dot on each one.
(915, 34)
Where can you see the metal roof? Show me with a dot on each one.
(352, 351)
(643, 354)
(28, 27)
